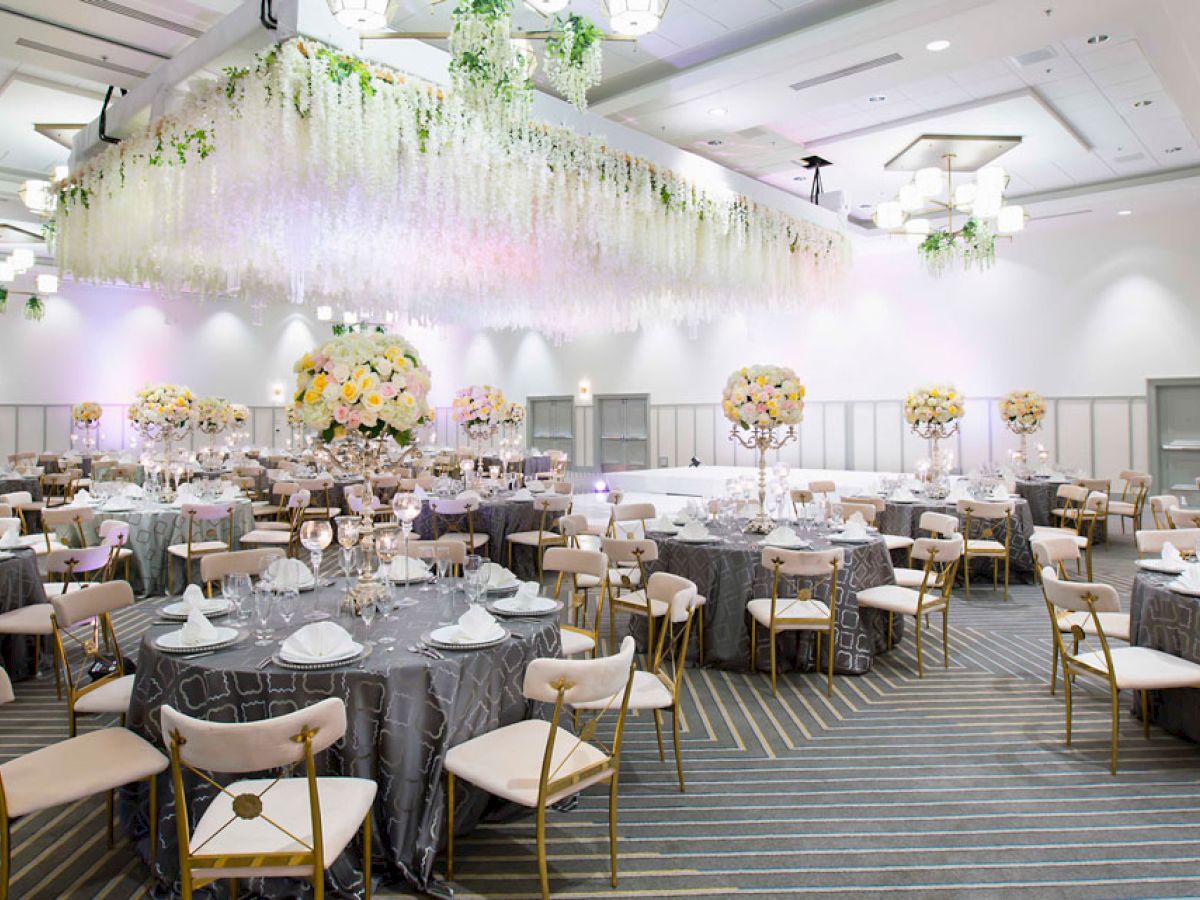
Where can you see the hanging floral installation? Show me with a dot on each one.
(974, 246)
(573, 58)
(315, 177)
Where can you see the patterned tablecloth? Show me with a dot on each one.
(904, 519)
(154, 528)
(498, 517)
(729, 574)
(12, 483)
(1164, 620)
(404, 711)
(20, 585)
(1042, 494)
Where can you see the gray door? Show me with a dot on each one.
(623, 432)
(552, 423)
(1174, 405)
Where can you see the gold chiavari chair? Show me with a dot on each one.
(547, 507)
(215, 566)
(536, 763)
(23, 504)
(800, 497)
(941, 557)
(627, 577)
(1083, 520)
(1135, 487)
(195, 546)
(588, 567)
(934, 524)
(454, 520)
(1184, 517)
(803, 613)
(282, 826)
(1138, 669)
(985, 543)
(1160, 507)
(75, 568)
(1185, 540)
(628, 520)
(285, 535)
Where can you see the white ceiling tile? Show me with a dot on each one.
(732, 15)
(1067, 87)
(1050, 71)
(1123, 74)
(944, 99)
(983, 71)
(1111, 53)
(991, 87)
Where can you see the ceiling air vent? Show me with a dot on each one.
(79, 58)
(1033, 57)
(847, 72)
(1129, 158)
(1061, 215)
(129, 12)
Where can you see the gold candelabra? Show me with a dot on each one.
(761, 439)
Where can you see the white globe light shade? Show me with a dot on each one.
(36, 196)
(1011, 219)
(987, 205)
(889, 215)
(918, 227)
(964, 195)
(363, 15)
(930, 182)
(7, 273)
(47, 284)
(991, 180)
(910, 198)
(21, 259)
(633, 18)
(547, 7)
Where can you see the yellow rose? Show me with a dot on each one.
(320, 381)
(372, 400)
(312, 396)
(350, 391)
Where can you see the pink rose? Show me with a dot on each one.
(341, 414)
(387, 390)
(354, 419)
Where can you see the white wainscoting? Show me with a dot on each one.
(1101, 435)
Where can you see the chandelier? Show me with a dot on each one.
(942, 190)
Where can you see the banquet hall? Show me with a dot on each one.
(599, 448)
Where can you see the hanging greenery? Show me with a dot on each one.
(3, 300)
(973, 246)
(35, 308)
(574, 58)
(485, 68)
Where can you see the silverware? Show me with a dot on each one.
(433, 652)
(264, 663)
(198, 655)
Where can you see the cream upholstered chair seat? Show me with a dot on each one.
(986, 545)
(1080, 540)
(1115, 625)
(792, 608)
(894, 598)
(575, 642)
(344, 804)
(273, 526)
(535, 538)
(508, 762)
(77, 768)
(262, 536)
(31, 619)
(897, 542)
(57, 588)
(474, 541)
(636, 601)
(111, 697)
(1121, 508)
(1144, 669)
(181, 550)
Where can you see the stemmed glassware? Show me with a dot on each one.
(288, 601)
(367, 613)
(315, 536)
(236, 587)
(406, 508)
(347, 535)
(442, 564)
(386, 545)
(262, 611)
(473, 573)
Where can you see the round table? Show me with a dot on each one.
(11, 484)
(905, 518)
(729, 573)
(20, 585)
(1164, 620)
(404, 711)
(1042, 494)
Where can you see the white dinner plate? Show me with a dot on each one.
(181, 608)
(503, 588)
(449, 637)
(350, 654)
(172, 642)
(790, 545)
(842, 539)
(1161, 565)
(1187, 592)
(540, 606)
(697, 540)
(306, 584)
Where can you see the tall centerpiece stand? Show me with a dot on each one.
(933, 413)
(212, 416)
(759, 401)
(364, 394)
(163, 414)
(479, 410)
(1022, 413)
(85, 421)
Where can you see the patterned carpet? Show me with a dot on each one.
(955, 785)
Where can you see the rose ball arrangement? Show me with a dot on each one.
(763, 397)
(1023, 411)
(478, 409)
(86, 414)
(934, 409)
(163, 411)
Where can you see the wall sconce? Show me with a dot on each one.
(583, 396)
(277, 393)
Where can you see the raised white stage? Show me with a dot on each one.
(709, 481)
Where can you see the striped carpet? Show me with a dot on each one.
(955, 785)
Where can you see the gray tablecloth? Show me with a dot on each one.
(729, 574)
(20, 585)
(498, 518)
(904, 519)
(1163, 620)
(13, 484)
(1042, 495)
(404, 711)
(531, 465)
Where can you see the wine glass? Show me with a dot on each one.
(386, 545)
(473, 573)
(350, 563)
(442, 564)
(367, 613)
(347, 530)
(262, 610)
(315, 536)
(288, 601)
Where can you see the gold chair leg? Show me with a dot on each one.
(233, 888)
(774, 689)
(543, 874)
(1053, 665)
(1067, 691)
(662, 757)
(920, 666)
(1145, 715)
(678, 753)
(612, 827)
(450, 826)
(1007, 564)
(967, 574)
(366, 829)
(829, 687)
(946, 637)
(5, 856)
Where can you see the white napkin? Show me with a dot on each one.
(855, 530)
(536, 487)
(420, 492)
(903, 494)
(662, 523)
(406, 568)
(10, 538)
(781, 535)
(193, 596)
(469, 496)
(527, 595)
(197, 629)
(1170, 553)
(498, 577)
(317, 642)
(522, 494)
(857, 520)
(289, 575)
(999, 493)
(135, 491)
(82, 498)
(119, 504)
(476, 624)
(693, 531)
(1190, 579)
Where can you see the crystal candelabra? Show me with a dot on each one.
(1022, 430)
(761, 439)
(935, 432)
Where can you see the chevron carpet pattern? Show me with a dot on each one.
(952, 786)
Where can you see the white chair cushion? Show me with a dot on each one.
(266, 537)
(1140, 668)
(1115, 625)
(31, 619)
(111, 697)
(574, 643)
(71, 770)
(344, 805)
(648, 692)
(38, 543)
(198, 547)
(897, 542)
(532, 537)
(894, 598)
(1080, 540)
(273, 526)
(507, 762)
(586, 582)
(790, 608)
(1121, 508)
(322, 512)
(909, 578)
(635, 602)
(985, 546)
(479, 540)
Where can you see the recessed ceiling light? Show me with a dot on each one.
(715, 142)
(799, 177)
(1172, 150)
(718, 111)
(877, 98)
(937, 46)
(1097, 39)
(1124, 212)
(1139, 104)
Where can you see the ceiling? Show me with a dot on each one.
(752, 84)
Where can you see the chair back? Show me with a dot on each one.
(92, 605)
(1054, 550)
(1160, 507)
(629, 552)
(822, 487)
(17, 498)
(1079, 596)
(1184, 517)
(986, 512)
(631, 512)
(1102, 485)
(6, 688)
(98, 600)
(573, 526)
(429, 550)
(938, 524)
(866, 510)
(571, 561)
(941, 557)
(114, 533)
(564, 487)
(68, 518)
(552, 503)
(812, 565)
(215, 566)
(1072, 493)
(800, 497)
(1152, 540)
(573, 681)
(74, 561)
(206, 512)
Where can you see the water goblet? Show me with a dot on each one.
(288, 601)
(367, 613)
(442, 565)
(262, 612)
(242, 586)
(473, 574)
(315, 536)
(350, 563)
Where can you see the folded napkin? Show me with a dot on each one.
(662, 523)
(855, 530)
(535, 487)
(82, 498)
(135, 491)
(527, 595)
(1190, 579)
(522, 494)
(469, 496)
(317, 642)
(857, 520)
(197, 629)
(406, 568)
(476, 624)
(193, 596)
(999, 493)
(498, 577)
(10, 539)
(289, 575)
(1170, 553)
(903, 494)
(693, 531)
(781, 535)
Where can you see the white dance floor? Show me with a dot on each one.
(710, 481)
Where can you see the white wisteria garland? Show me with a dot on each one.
(315, 177)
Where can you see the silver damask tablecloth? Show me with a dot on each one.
(404, 712)
(904, 519)
(729, 574)
(20, 585)
(498, 518)
(1161, 619)
(1042, 495)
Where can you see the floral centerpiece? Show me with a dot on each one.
(239, 415)
(933, 413)
(86, 417)
(163, 412)
(212, 415)
(513, 414)
(1022, 412)
(478, 410)
(758, 400)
